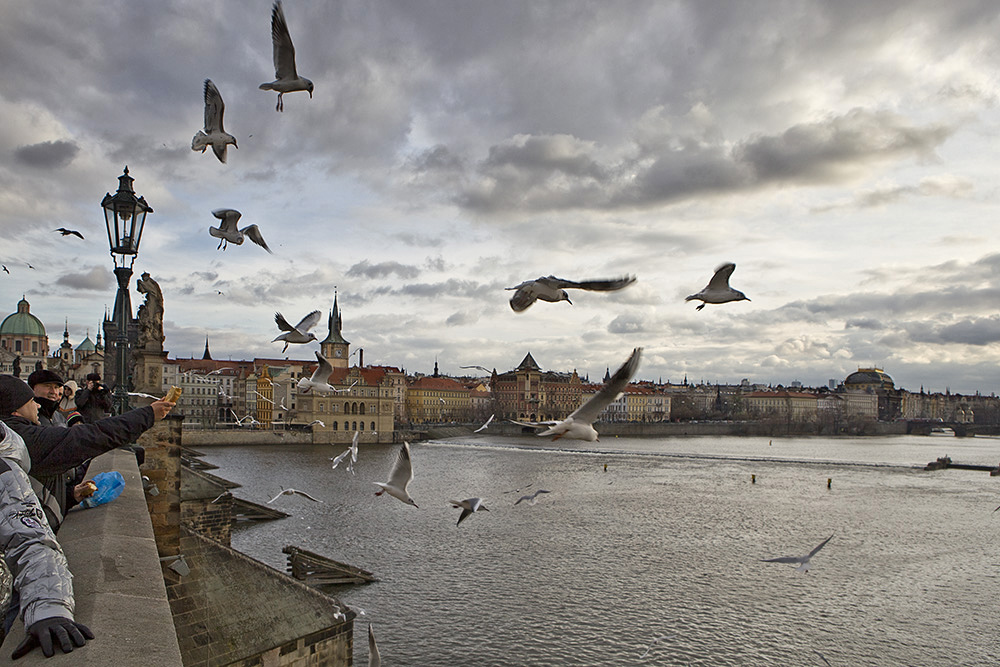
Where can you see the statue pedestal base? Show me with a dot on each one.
(147, 372)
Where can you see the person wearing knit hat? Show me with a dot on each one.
(67, 404)
(56, 450)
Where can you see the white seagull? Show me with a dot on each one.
(531, 498)
(469, 506)
(718, 289)
(316, 421)
(229, 233)
(374, 659)
(288, 492)
(319, 379)
(352, 450)
(578, 425)
(803, 561)
(655, 642)
(300, 332)
(286, 80)
(399, 478)
(552, 289)
(213, 135)
(483, 427)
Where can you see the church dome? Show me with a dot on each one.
(22, 323)
(868, 377)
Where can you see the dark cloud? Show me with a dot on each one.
(97, 278)
(365, 269)
(626, 324)
(462, 317)
(864, 323)
(969, 331)
(47, 155)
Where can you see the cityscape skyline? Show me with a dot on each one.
(841, 154)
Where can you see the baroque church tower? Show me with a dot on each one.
(334, 347)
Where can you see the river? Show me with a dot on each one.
(666, 541)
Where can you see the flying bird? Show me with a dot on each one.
(483, 427)
(300, 332)
(316, 421)
(374, 659)
(319, 379)
(803, 561)
(718, 289)
(469, 506)
(553, 289)
(286, 79)
(531, 498)
(30, 266)
(67, 232)
(485, 370)
(5, 270)
(578, 425)
(400, 477)
(352, 451)
(288, 492)
(229, 233)
(213, 135)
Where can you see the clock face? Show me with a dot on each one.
(339, 352)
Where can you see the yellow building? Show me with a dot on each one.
(438, 400)
(796, 406)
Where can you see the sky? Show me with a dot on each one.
(841, 153)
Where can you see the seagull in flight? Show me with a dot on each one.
(531, 498)
(352, 451)
(67, 232)
(552, 289)
(483, 427)
(485, 370)
(374, 659)
(262, 396)
(286, 79)
(469, 506)
(718, 289)
(579, 425)
(316, 421)
(400, 477)
(288, 492)
(213, 135)
(5, 270)
(803, 561)
(319, 379)
(229, 233)
(300, 332)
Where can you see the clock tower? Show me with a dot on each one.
(334, 347)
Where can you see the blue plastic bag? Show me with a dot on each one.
(109, 486)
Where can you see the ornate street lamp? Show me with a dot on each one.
(125, 217)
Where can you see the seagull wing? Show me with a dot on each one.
(276, 497)
(402, 469)
(354, 446)
(282, 323)
(605, 285)
(284, 51)
(306, 495)
(523, 297)
(309, 321)
(588, 411)
(544, 424)
(253, 233)
(339, 458)
(229, 217)
(821, 545)
(721, 278)
(374, 659)
(214, 108)
(483, 427)
(323, 371)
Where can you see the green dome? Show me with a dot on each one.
(87, 345)
(22, 323)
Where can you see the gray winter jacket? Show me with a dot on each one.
(41, 574)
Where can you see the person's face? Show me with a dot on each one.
(49, 390)
(29, 411)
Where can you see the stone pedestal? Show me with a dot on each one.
(147, 372)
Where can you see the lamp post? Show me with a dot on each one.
(125, 217)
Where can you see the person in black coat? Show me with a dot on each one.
(55, 450)
(93, 402)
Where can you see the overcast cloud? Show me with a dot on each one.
(841, 153)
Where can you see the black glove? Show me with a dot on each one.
(41, 632)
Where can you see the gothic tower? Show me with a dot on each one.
(334, 347)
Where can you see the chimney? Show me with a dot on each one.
(361, 357)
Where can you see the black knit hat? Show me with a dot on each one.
(13, 394)
(93, 377)
(44, 376)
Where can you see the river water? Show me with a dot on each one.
(666, 542)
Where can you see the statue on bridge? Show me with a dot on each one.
(150, 315)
